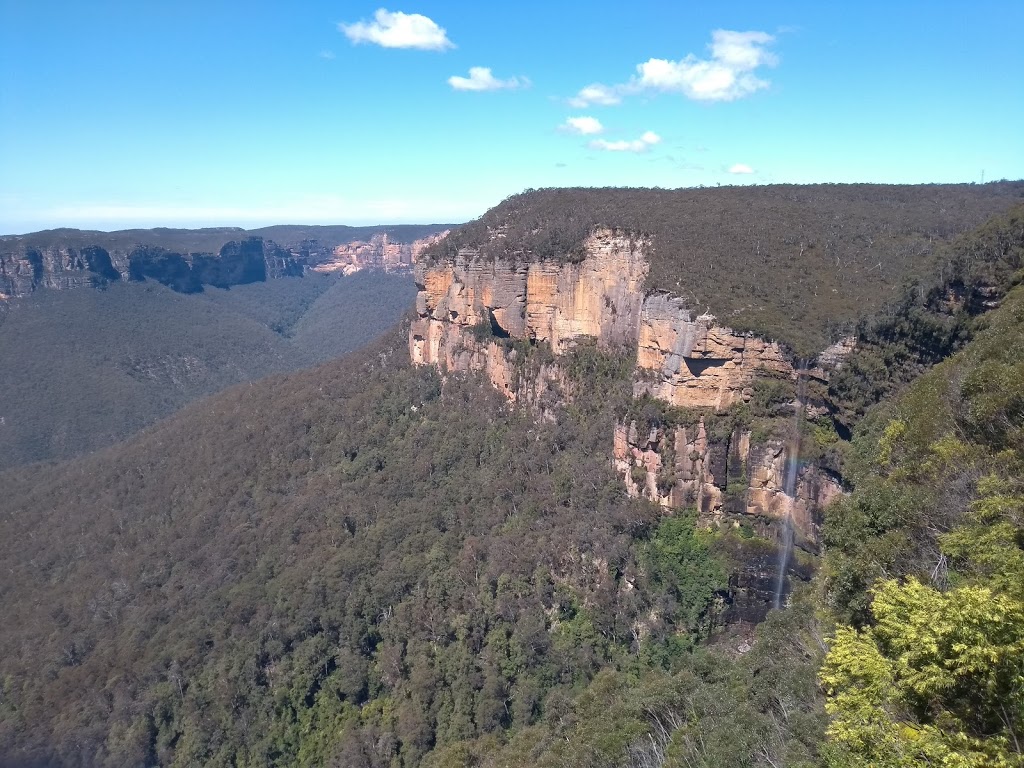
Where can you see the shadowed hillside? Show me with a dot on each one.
(83, 369)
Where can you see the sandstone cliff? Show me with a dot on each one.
(694, 362)
(479, 314)
(729, 479)
(27, 269)
(379, 252)
(64, 259)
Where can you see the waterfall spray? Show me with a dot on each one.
(789, 489)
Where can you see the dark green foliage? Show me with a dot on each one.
(926, 560)
(934, 318)
(345, 564)
(680, 565)
(917, 462)
(801, 264)
(358, 566)
(81, 369)
(712, 710)
(773, 397)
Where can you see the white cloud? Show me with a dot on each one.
(328, 55)
(399, 30)
(585, 126)
(740, 168)
(481, 79)
(729, 74)
(726, 76)
(645, 142)
(595, 93)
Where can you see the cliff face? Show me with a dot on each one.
(484, 315)
(686, 360)
(536, 301)
(25, 270)
(379, 252)
(694, 362)
(729, 479)
(59, 267)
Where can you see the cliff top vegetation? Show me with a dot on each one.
(797, 263)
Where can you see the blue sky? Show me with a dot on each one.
(124, 114)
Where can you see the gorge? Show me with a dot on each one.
(545, 519)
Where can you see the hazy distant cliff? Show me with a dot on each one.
(186, 260)
(378, 252)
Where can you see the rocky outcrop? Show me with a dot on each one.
(682, 358)
(379, 252)
(695, 362)
(729, 479)
(469, 308)
(476, 314)
(34, 262)
(58, 268)
(248, 261)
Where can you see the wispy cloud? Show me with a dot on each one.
(583, 125)
(740, 168)
(595, 94)
(645, 142)
(729, 74)
(394, 29)
(482, 79)
(328, 55)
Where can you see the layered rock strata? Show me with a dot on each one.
(694, 362)
(476, 314)
(682, 358)
(379, 252)
(729, 479)
(27, 268)
(539, 301)
(253, 259)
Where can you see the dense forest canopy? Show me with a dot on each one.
(349, 550)
(800, 264)
(82, 369)
(366, 564)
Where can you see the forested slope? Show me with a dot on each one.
(363, 564)
(82, 369)
(346, 562)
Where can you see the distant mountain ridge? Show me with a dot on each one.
(187, 259)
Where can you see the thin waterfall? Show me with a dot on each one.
(789, 489)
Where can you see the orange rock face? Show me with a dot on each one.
(469, 309)
(694, 362)
(379, 252)
(686, 360)
(729, 480)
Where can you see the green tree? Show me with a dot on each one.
(938, 680)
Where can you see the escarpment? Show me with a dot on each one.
(493, 315)
(186, 260)
(26, 269)
(729, 478)
(466, 308)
